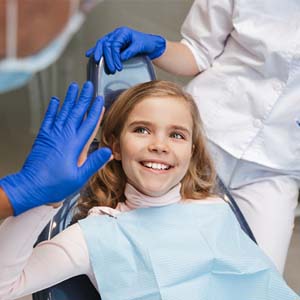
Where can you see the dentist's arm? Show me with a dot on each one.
(54, 168)
(177, 60)
(124, 43)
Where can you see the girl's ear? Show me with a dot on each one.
(116, 150)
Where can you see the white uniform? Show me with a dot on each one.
(249, 100)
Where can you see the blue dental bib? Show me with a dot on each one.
(180, 251)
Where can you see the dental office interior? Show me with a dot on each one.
(42, 46)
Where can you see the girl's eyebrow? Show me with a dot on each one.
(142, 122)
(173, 127)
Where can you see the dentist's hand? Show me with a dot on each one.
(124, 43)
(51, 171)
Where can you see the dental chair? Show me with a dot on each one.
(136, 70)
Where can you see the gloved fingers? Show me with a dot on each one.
(119, 40)
(95, 51)
(68, 105)
(90, 125)
(94, 162)
(50, 115)
(115, 54)
(98, 51)
(90, 52)
(81, 107)
(89, 129)
(129, 52)
(135, 42)
(108, 59)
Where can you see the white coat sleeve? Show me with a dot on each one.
(206, 29)
(25, 269)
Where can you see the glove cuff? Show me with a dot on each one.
(160, 46)
(11, 185)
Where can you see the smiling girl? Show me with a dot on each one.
(156, 230)
(155, 132)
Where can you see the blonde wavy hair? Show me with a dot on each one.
(106, 188)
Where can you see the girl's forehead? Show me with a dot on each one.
(167, 108)
(155, 102)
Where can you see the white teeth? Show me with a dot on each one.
(156, 166)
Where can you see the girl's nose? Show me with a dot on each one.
(158, 146)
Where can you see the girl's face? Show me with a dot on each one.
(155, 145)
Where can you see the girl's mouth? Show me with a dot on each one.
(156, 166)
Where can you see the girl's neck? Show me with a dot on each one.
(136, 199)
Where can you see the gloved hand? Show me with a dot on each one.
(124, 43)
(51, 171)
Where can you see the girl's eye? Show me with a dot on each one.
(177, 135)
(141, 130)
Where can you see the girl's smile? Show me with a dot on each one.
(156, 165)
(156, 144)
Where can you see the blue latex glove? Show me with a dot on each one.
(51, 171)
(124, 43)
